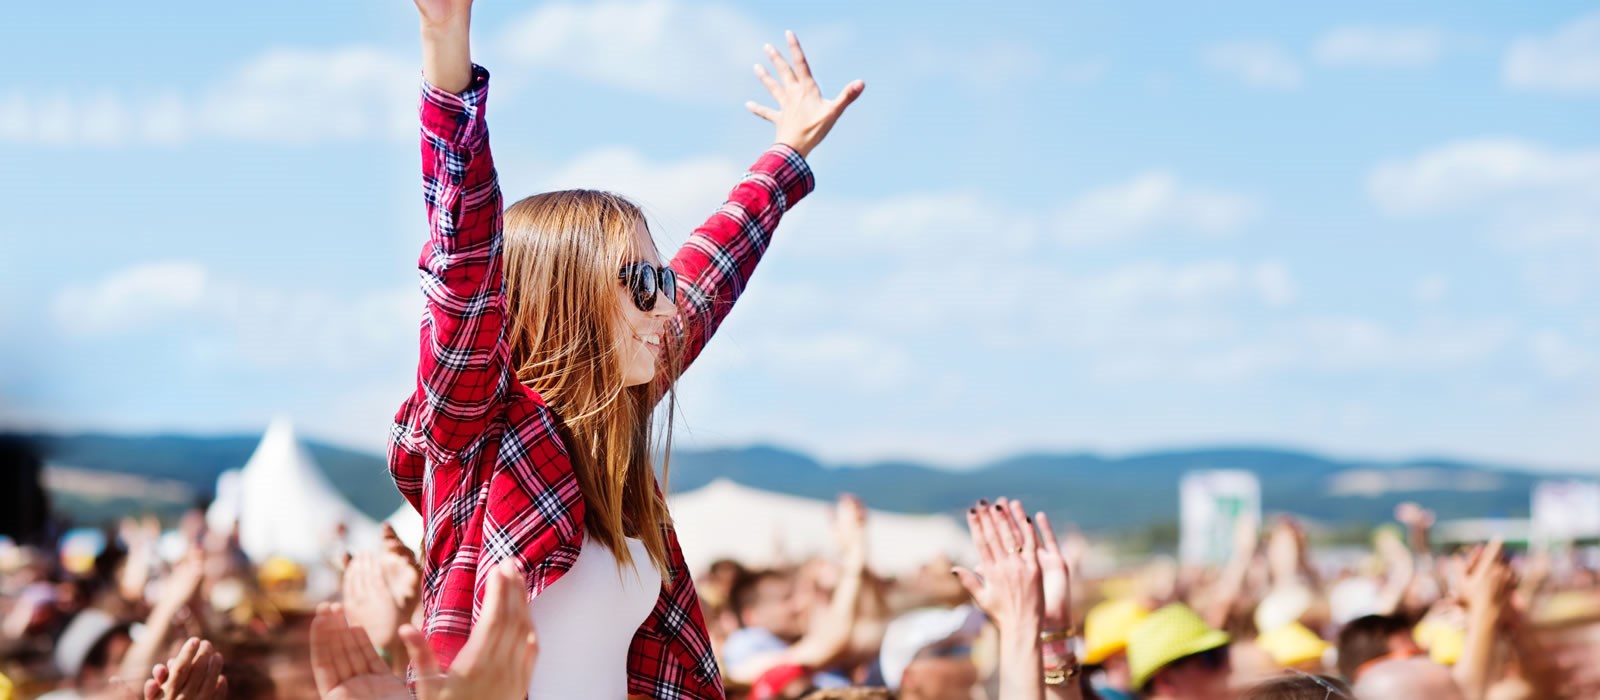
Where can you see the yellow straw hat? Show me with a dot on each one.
(278, 570)
(1292, 645)
(1165, 636)
(1105, 629)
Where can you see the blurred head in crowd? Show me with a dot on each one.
(1407, 679)
(1174, 655)
(767, 600)
(1299, 686)
(717, 583)
(90, 648)
(1367, 639)
(927, 654)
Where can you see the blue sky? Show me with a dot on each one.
(1356, 227)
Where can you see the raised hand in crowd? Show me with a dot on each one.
(194, 674)
(495, 664)
(344, 663)
(381, 591)
(497, 661)
(1486, 590)
(1009, 586)
(1055, 573)
(178, 591)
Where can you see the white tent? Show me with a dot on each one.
(761, 528)
(285, 505)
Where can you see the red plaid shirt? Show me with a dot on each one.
(478, 453)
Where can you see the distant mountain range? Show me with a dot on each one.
(1097, 492)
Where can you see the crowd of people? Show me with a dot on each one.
(142, 619)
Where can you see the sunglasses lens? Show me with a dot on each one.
(642, 282)
(669, 284)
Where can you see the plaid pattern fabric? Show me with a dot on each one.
(479, 454)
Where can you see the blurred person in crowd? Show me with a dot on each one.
(1373, 638)
(1174, 655)
(1407, 679)
(928, 653)
(1105, 639)
(1299, 686)
(24, 504)
(552, 332)
(89, 653)
(777, 628)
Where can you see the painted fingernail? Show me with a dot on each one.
(983, 501)
(997, 507)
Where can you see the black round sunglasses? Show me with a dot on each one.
(645, 280)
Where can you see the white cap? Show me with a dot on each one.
(914, 631)
(85, 630)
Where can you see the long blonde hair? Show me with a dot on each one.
(563, 252)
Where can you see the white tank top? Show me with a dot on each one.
(585, 622)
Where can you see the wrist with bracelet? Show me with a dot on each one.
(1060, 662)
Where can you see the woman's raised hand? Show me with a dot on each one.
(443, 12)
(446, 50)
(803, 117)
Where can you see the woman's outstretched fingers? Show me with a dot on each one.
(773, 88)
(762, 111)
(785, 73)
(848, 95)
(798, 56)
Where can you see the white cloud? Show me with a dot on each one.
(131, 297)
(1470, 171)
(233, 321)
(1533, 197)
(1566, 62)
(1257, 64)
(658, 47)
(1151, 201)
(284, 95)
(305, 96)
(1383, 47)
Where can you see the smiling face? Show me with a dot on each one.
(639, 335)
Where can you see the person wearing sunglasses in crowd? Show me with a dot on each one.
(552, 331)
(1174, 655)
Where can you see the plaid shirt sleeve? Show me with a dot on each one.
(716, 263)
(461, 372)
